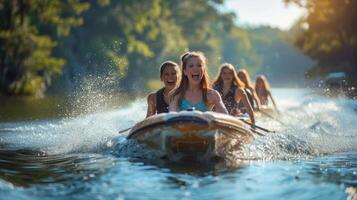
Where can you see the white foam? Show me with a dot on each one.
(314, 125)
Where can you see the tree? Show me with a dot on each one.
(26, 61)
(329, 36)
(122, 39)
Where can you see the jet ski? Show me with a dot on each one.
(192, 135)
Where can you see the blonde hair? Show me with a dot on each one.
(263, 81)
(205, 83)
(236, 81)
(247, 82)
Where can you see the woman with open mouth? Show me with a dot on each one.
(194, 92)
(158, 102)
(231, 89)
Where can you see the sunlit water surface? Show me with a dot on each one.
(312, 155)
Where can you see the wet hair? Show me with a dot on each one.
(205, 83)
(247, 82)
(167, 64)
(236, 81)
(262, 79)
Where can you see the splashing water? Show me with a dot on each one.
(313, 125)
(312, 154)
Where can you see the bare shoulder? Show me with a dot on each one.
(213, 94)
(151, 98)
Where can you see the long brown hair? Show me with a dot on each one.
(205, 83)
(236, 81)
(247, 82)
(264, 82)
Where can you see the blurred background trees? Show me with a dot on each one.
(29, 31)
(50, 46)
(328, 34)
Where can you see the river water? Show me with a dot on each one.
(312, 155)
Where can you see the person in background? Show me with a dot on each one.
(194, 92)
(262, 88)
(232, 91)
(244, 76)
(158, 102)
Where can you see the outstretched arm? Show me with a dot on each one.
(255, 98)
(272, 100)
(151, 101)
(241, 95)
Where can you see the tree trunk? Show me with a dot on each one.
(2, 72)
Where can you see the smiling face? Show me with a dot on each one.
(170, 76)
(226, 75)
(194, 70)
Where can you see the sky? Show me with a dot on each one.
(264, 12)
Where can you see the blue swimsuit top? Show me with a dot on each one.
(185, 105)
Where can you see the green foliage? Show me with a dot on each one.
(125, 41)
(279, 59)
(26, 61)
(239, 50)
(329, 36)
(119, 64)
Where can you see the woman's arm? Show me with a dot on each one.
(217, 102)
(241, 95)
(255, 98)
(151, 101)
(173, 106)
(272, 100)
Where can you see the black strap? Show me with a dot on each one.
(161, 105)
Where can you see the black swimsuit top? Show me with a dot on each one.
(228, 99)
(161, 105)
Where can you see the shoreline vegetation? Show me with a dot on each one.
(52, 47)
